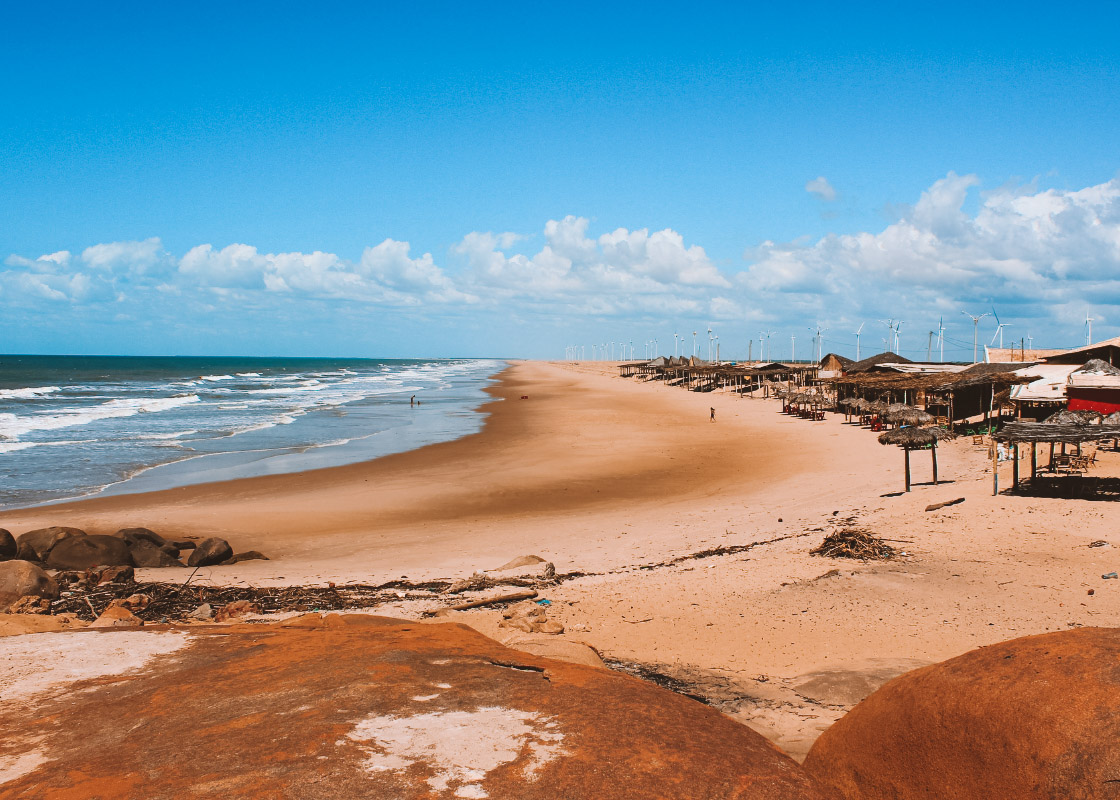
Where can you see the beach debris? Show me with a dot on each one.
(1108, 576)
(520, 561)
(489, 601)
(549, 571)
(475, 582)
(238, 608)
(209, 552)
(117, 617)
(248, 555)
(82, 552)
(21, 578)
(147, 554)
(530, 618)
(203, 612)
(31, 604)
(832, 573)
(1099, 543)
(854, 543)
(947, 503)
(36, 545)
(1092, 592)
(8, 546)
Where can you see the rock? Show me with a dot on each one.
(370, 708)
(8, 546)
(134, 603)
(121, 574)
(560, 649)
(131, 535)
(25, 552)
(203, 612)
(82, 552)
(1028, 718)
(248, 555)
(42, 540)
(19, 624)
(171, 550)
(209, 552)
(183, 544)
(238, 608)
(522, 561)
(146, 554)
(530, 618)
(31, 604)
(21, 578)
(117, 617)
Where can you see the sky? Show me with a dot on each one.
(428, 179)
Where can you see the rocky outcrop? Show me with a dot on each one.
(146, 554)
(117, 617)
(132, 535)
(82, 552)
(209, 552)
(21, 578)
(1030, 718)
(36, 545)
(8, 546)
(366, 707)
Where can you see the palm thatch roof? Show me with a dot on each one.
(875, 407)
(907, 415)
(1067, 417)
(914, 436)
(1069, 433)
(876, 360)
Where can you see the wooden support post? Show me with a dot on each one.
(1015, 469)
(995, 470)
(933, 449)
(1034, 460)
(906, 450)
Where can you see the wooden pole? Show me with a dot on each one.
(934, 451)
(906, 450)
(995, 469)
(1015, 468)
(1034, 460)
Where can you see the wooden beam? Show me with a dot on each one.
(906, 450)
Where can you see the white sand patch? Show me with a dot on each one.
(460, 747)
(44, 662)
(12, 767)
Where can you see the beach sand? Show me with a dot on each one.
(612, 477)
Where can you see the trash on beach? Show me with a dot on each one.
(544, 602)
(1099, 543)
(947, 503)
(1109, 576)
(854, 543)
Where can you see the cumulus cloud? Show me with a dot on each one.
(126, 256)
(821, 188)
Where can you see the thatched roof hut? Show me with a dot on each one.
(914, 438)
(1067, 417)
(906, 415)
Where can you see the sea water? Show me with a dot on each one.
(76, 426)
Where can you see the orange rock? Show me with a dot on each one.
(238, 608)
(1029, 718)
(117, 617)
(357, 706)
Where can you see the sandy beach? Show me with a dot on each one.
(615, 478)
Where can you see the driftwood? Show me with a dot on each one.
(489, 601)
(936, 506)
(854, 543)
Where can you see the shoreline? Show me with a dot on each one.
(621, 480)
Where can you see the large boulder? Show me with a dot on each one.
(146, 554)
(8, 546)
(82, 552)
(1035, 717)
(41, 541)
(367, 707)
(131, 535)
(21, 578)
(209, 552)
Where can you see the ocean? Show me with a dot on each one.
(74, 426)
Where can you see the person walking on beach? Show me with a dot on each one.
(713, 415)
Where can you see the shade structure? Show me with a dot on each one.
(1067, 417)
(875, 407)
(912, 438)
(906, 415)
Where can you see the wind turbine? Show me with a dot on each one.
(897, 328)
(857, 338)
(941, 337)
(975, 329)
(1088, 329)
(999, 330)
(709, 343)
(695, 352)
(890, 334)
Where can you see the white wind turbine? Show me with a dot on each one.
(999, 330)
(1088, 329)
(941, 337)
(858, 332)
(975, 330)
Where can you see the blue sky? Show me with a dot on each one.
(405, 179)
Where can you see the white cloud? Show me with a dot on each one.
(822, 189)
(138, 257)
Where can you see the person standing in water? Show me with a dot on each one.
(412, 402)
(713, 415)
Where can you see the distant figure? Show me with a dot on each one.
(713, 415)
(412, 402)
